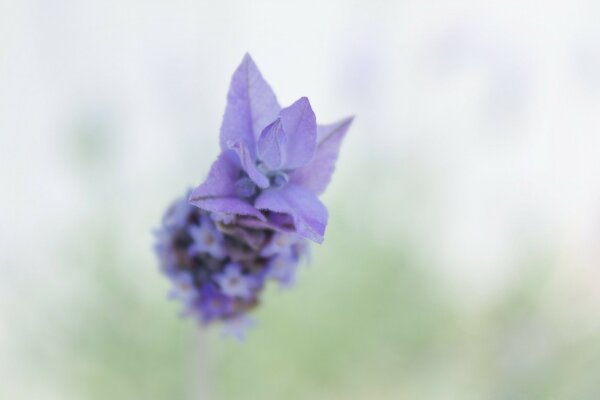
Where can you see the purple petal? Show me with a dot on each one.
(251, 105)
(248, 163)
(316, 175)
(229, 205)
(300, 126)
(277, 221)
(271, 145)
(223, 174)
(308, 213)
(218, 192)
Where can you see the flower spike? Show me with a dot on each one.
(251, 219)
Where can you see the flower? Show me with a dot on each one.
(282, 268)
(274, 161)
(234, 283)
(249, 221)
(206, 239)
(183, 287)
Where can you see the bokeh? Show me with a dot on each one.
(461, 259)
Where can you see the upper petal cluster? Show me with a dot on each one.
(274, 161)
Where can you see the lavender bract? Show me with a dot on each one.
(274, 161)
(248, 222)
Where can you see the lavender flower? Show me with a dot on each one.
(248, 222)
(274, 161)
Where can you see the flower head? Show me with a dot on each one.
(206, 239)
(248, 222)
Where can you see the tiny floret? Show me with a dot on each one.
(235, 284)
(206, 239)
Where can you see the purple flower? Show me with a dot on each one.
(206, 239)
(247, 224)
(234, 283)
(274, 161)
(183, 287)
(280, 244)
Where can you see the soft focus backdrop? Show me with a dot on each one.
(461, 260)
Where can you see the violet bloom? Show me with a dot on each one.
(274, 161)
(234, 283)
(247, 224)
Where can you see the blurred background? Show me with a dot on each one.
(461, 259)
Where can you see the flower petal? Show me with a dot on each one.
(271, 145)
(218, 192)
(251, 105)
(308, 213)
(248, 163)
(221, 178)
(300, 128)
(316, 175)
(230, 205)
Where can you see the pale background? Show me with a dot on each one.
(462, 256)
